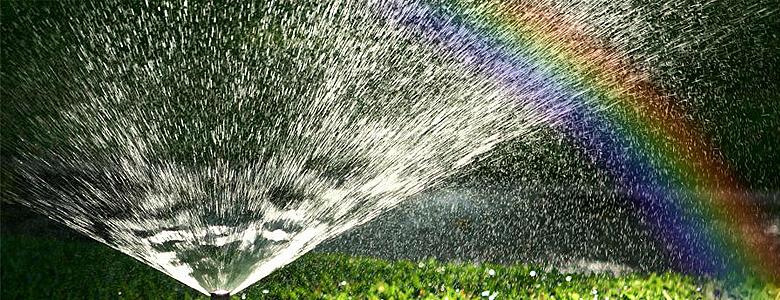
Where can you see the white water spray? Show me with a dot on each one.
(217, 144)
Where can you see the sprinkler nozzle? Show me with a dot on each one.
(220, 295)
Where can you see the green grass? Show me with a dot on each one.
(35, 268)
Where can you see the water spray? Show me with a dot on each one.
(214, 175)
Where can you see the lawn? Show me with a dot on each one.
(42, 268)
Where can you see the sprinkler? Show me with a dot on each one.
(220, 295)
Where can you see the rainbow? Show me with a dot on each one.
(695, 206)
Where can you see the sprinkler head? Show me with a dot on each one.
(220, 295)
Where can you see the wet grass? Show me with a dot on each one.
(38, 268)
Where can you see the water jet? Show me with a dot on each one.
(218, 152)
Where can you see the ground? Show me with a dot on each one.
(45, 268)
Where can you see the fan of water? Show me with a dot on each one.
(217, 143)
